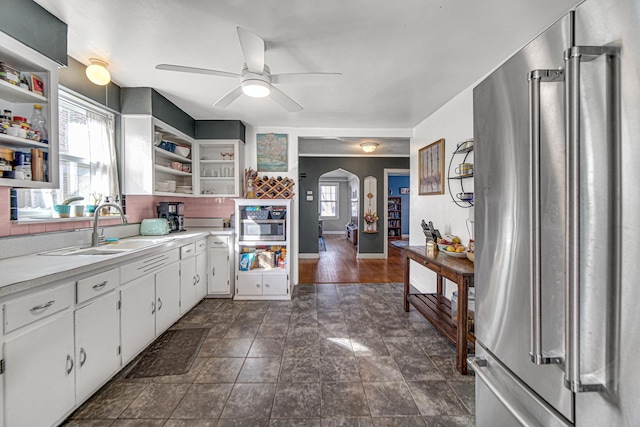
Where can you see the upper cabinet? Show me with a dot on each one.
(219, 167)
(26, 161)
(156, 157)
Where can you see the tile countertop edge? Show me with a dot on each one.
(19, 275)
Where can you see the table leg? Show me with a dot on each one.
(406, 281)
(461, 333)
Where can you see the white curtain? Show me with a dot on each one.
(104, 164)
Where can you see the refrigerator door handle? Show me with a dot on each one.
(573, 57)
(536, 77)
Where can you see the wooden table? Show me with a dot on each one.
(435, 307)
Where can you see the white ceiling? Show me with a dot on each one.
(401, 60)
(348, 146)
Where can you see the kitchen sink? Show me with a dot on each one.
(110, 249)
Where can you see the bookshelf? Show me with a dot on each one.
(394, 218)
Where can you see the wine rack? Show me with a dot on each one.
(273, 188)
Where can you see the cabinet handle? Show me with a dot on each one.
(257, 285)
(194, 280)
(153, 308)
(69, 364)
(83, 357)
(98, 286)
(213, 271)
(217, 243)
(198, 276)
(266, 285)
(188, 251)
(43, 306)
(159, 304)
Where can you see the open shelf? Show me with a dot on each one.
(170, 171)
(14, 93)
(169, 155)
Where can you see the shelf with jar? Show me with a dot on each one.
(219, 167)
(29, 117)
(462, 174)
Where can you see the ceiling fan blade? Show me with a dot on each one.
(183, 69)
(228, 98)
(287, 103)
(252, 49)
(319, 79)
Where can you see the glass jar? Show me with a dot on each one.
(39, 123)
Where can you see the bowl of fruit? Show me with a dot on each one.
(452, 247)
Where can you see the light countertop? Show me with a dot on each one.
(27, 272)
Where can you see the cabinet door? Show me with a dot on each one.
(40, 374)
(187, 284)
(97, 339)
(274, 284)
(201, 276)
(219, 273)
(137, 316)
(249, 284)
(167, 297)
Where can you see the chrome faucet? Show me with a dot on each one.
(95, 239)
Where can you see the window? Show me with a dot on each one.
(88, 162)
(329, 201)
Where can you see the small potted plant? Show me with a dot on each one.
(97, 198)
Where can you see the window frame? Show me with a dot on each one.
(336, 185)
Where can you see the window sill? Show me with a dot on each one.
(59, 220)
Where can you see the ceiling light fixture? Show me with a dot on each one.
(256, 88)
(97, 72)
(369, 147)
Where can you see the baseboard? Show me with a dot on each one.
(370, 256)
(308, 256)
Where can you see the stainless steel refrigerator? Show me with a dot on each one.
(557, 166)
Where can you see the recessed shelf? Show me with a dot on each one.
(169, 155)
(170, 171)
(14, 93)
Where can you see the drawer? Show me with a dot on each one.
(97, 285)
(219, 241)
(26, 310)
(187, 251)
(149, 265)
(201, 246)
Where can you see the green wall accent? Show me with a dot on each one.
(73, 77)
(220, 129)
(28, 22)
(313, 167)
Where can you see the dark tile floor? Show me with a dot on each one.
(335, 355)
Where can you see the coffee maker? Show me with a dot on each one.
(174, 213)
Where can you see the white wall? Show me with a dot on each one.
(453, 122)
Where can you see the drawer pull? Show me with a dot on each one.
(43, 306)
(99, 286)
(83, 357)
(218, 243)
(69, 364)
(257, 285)
(188, 251)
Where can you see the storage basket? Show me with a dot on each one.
(258, 214)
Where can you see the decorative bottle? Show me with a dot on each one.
(39, 123)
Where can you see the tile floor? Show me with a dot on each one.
(335, 355)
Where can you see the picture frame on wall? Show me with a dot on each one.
(272, 152)
(431, 169)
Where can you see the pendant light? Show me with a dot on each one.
(369, 147)
(97, 72)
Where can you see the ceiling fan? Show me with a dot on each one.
(256, 79)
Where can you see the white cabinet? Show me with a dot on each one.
(193, 275)
(147, 166)
(167, 297)
(220, 168)
(40, 377)
(20, 102)
(262, 266)
(220, 266)
(137, 316)
(97, 327)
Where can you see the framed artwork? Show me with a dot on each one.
(431, 169)
(272, 151)
(405, 190)
(37, 85)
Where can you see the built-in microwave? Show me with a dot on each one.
(263, 229)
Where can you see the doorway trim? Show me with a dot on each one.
(385, 223)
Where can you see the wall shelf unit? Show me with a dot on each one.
(220, 168)
(463, 180)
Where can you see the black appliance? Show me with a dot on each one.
(174, 213)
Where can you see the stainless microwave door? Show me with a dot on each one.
(503, 207)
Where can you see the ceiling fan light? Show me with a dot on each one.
(97, 72)
(256, 88)
(369, 147)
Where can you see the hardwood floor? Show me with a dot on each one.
(338, 264)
